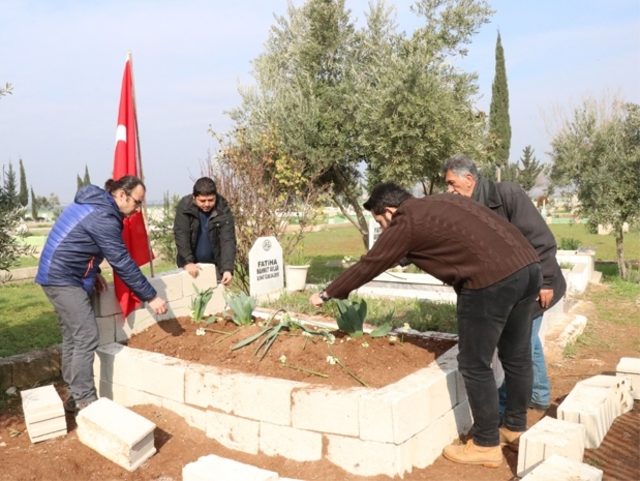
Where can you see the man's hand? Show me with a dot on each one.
(192, 269)
(316, 300)
(101, 283)
(545, 297)
(227, 277)
(158, 305)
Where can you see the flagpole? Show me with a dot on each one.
(145, 215)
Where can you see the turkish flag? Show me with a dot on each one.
(127, 162)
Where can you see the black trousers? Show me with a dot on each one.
(497, 316)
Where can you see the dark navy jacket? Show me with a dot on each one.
(87, 232)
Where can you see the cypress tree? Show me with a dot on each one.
(34, 205)
(530, 170)
(499, 123)
(87, 179)
(10, 193)
(23, 194)
(79, 182)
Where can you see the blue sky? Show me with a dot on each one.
(65, 61)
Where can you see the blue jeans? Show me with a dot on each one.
(541, 388)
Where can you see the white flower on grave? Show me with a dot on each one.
(331, 339)
(393, 339)
(282, 359)
(365, 344)
(349, 338)
(405, 327)
(306, 334)
(200, 331)
(331, 360)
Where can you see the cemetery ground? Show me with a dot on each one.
(613, 331)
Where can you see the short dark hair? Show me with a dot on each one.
(127, 183)
(385, 195)
(460, 165)
(204, 186)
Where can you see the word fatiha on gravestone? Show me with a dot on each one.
(266, 276)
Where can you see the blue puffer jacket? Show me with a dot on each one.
(87, 232)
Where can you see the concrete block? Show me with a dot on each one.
(291, 443)
(559, 468)
(261, 398)
(194, 416)
(106, 329)
(120, 435)
(595, 403)
(233, 432)
(326, 410)
(169, 286)
(43, 413)
(146, 371)
(629, 367)
(426, 446)
(126, 396)
(216, 468)
(547, 437)
(206, 278)
(620, 391)
(206, 386)
(368, 458)
(105, 303)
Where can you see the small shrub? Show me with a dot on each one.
(241, 306)
(569, 244)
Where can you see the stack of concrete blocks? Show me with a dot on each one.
(547, 437)
(629, 368)
(365, 431)
(176, 287)
(595, 403)
(43, 413)
(117, 433)
(559, 468)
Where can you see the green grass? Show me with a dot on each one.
(604, 245)
(28, 321)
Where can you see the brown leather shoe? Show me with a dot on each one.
(510, 438)
(470, 453)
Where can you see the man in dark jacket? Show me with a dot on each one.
(511, 202)
(204, 231)
(87, 232)
(496, 274)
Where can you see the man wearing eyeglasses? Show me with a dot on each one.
(204, 231)
(87, 232)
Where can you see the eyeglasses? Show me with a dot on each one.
(138, 202)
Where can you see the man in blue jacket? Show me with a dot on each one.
(87, 232)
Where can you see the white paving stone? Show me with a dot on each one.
(117, 433)
(547, 437)
(629, 367)
(595, 403)
(216, 468)
(43, 413)
(559, 468)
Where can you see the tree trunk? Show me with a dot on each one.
(622, 268)
(343, 188)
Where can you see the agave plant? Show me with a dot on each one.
(241, 306)
(199, 302)
(351, 315)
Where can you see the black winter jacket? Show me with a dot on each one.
(511, 201)
(222, 233)
(88, 231)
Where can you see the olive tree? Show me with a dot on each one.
(597, 151)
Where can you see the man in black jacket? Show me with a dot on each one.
(204, 231)
(511, 201)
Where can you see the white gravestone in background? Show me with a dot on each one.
(266, 276)
(374, 231)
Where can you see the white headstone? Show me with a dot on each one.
(266, 276)
(374, 232)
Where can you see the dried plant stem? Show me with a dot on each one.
(225, 334)
(305, 370)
